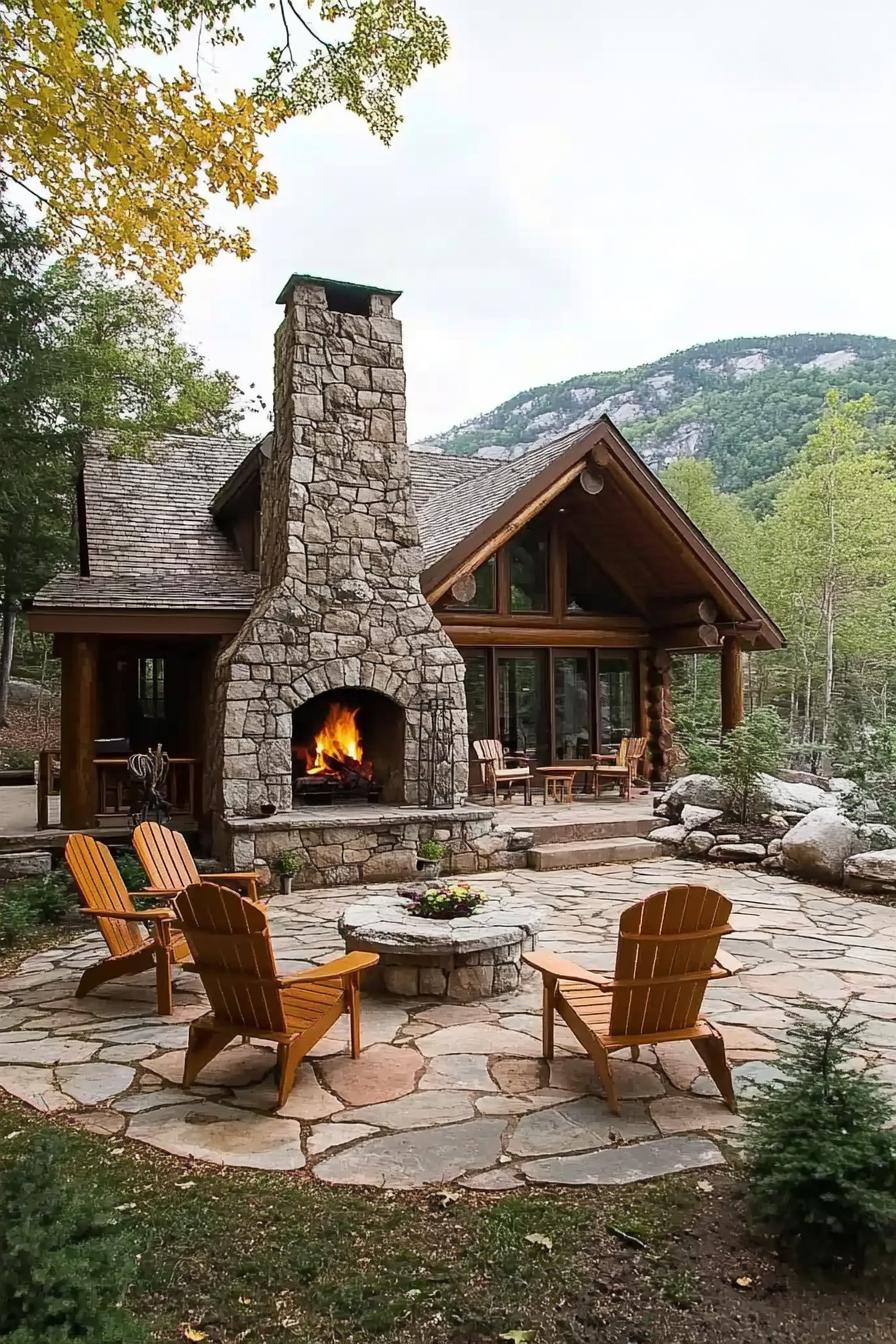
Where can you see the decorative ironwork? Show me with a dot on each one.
(436, 764)
(147, 775)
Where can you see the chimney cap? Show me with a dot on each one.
(347, 287)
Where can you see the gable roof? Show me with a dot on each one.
(151, 538)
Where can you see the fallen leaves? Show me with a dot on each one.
(193, 1333)
(518, 1336)
(745, 1281)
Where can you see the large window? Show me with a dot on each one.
(151, 687)
(615, 694)
(476, 684)
(528, 559)
(484, 596)
(572, 707)
(588, 588)
(522, 720)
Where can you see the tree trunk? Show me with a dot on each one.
(828, 612)
(7, 640)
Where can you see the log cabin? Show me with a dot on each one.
(248, 605)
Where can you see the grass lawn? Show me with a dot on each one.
(274, 1258)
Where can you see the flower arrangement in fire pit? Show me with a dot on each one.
(445, 900)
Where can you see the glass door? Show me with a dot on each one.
(522, 702)
(572, 706)
(615, 699)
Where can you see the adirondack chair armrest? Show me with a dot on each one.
(725, 962)
(352, 964)
(140, 916)
(159, 891)
(604, 758)
(519, 756)
(558, 968)
(231, 877)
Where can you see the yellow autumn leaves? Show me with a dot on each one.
(124, 162)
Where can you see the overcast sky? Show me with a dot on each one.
(588, 185)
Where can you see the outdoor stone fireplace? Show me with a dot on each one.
(340, 617)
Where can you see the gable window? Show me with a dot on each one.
(528, 560)
(484, 597)
(588, 587)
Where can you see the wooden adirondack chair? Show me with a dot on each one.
(108, 901)
(668, 951)
(619, 767)
(230, 943)
(170, 866)
(495, 769)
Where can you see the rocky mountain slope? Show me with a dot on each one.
(745, 404)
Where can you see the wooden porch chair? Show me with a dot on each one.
(628, 755)
(668, 951)
(493, 762)
(230, 943)
(108, 901)
(169, 865)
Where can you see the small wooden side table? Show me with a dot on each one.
(558, 780)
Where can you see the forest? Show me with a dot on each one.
(822, 558)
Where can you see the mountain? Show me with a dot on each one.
(746, 404)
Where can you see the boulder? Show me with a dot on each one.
(701, 790)
(779, 795)
(698, 842)
(661, 809)
(875, 835)
(779, 823)
(695, 818)
(837, 784)
(668, 835)
(747, 852)
(819, 845)
(874, 871)
(728, 838)
(774, 846)
(773, 864)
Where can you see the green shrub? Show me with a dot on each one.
(131, 870)
(432, 850)
(873, 770)
(30, 902)
(821, 1164)
(287, 863)
(64, 1265)
(755, 747)
(17, 758)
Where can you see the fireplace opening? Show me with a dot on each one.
(348, 745)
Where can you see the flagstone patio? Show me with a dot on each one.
(454, 1092)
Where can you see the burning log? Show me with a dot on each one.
(351, 772)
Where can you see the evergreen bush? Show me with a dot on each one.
(820, 1161)
(131, 870)
(30, 902)
(64, 1264)
(755, 747)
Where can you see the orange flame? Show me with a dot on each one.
(338, 738)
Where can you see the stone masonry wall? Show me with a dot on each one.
(349, 852)
(340, 604)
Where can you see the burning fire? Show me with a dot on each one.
(337, 741)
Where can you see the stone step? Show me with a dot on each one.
(559, 832)
(588, 853)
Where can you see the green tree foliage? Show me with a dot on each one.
(755, 747)
(821, 1160)
(79, 354)
(64, 1266)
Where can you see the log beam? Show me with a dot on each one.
(732, 683)
(704, 636)
(77, 776)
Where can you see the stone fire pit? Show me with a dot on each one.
(462, 959)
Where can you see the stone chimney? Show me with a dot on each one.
(340, 604)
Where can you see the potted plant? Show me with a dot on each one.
(444, 900)
(430, 854)
(286, 865)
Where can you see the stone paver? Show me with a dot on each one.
(448, 1091)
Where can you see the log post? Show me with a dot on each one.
(77, 777)
(660, 750)
(732, 680)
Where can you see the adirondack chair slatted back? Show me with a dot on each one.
(631, 749)
(102, 887)
(489, 752)
(671, 935)
(230, 944)
(165, 855)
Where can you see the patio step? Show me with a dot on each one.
(588, 853)
(558, 832)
